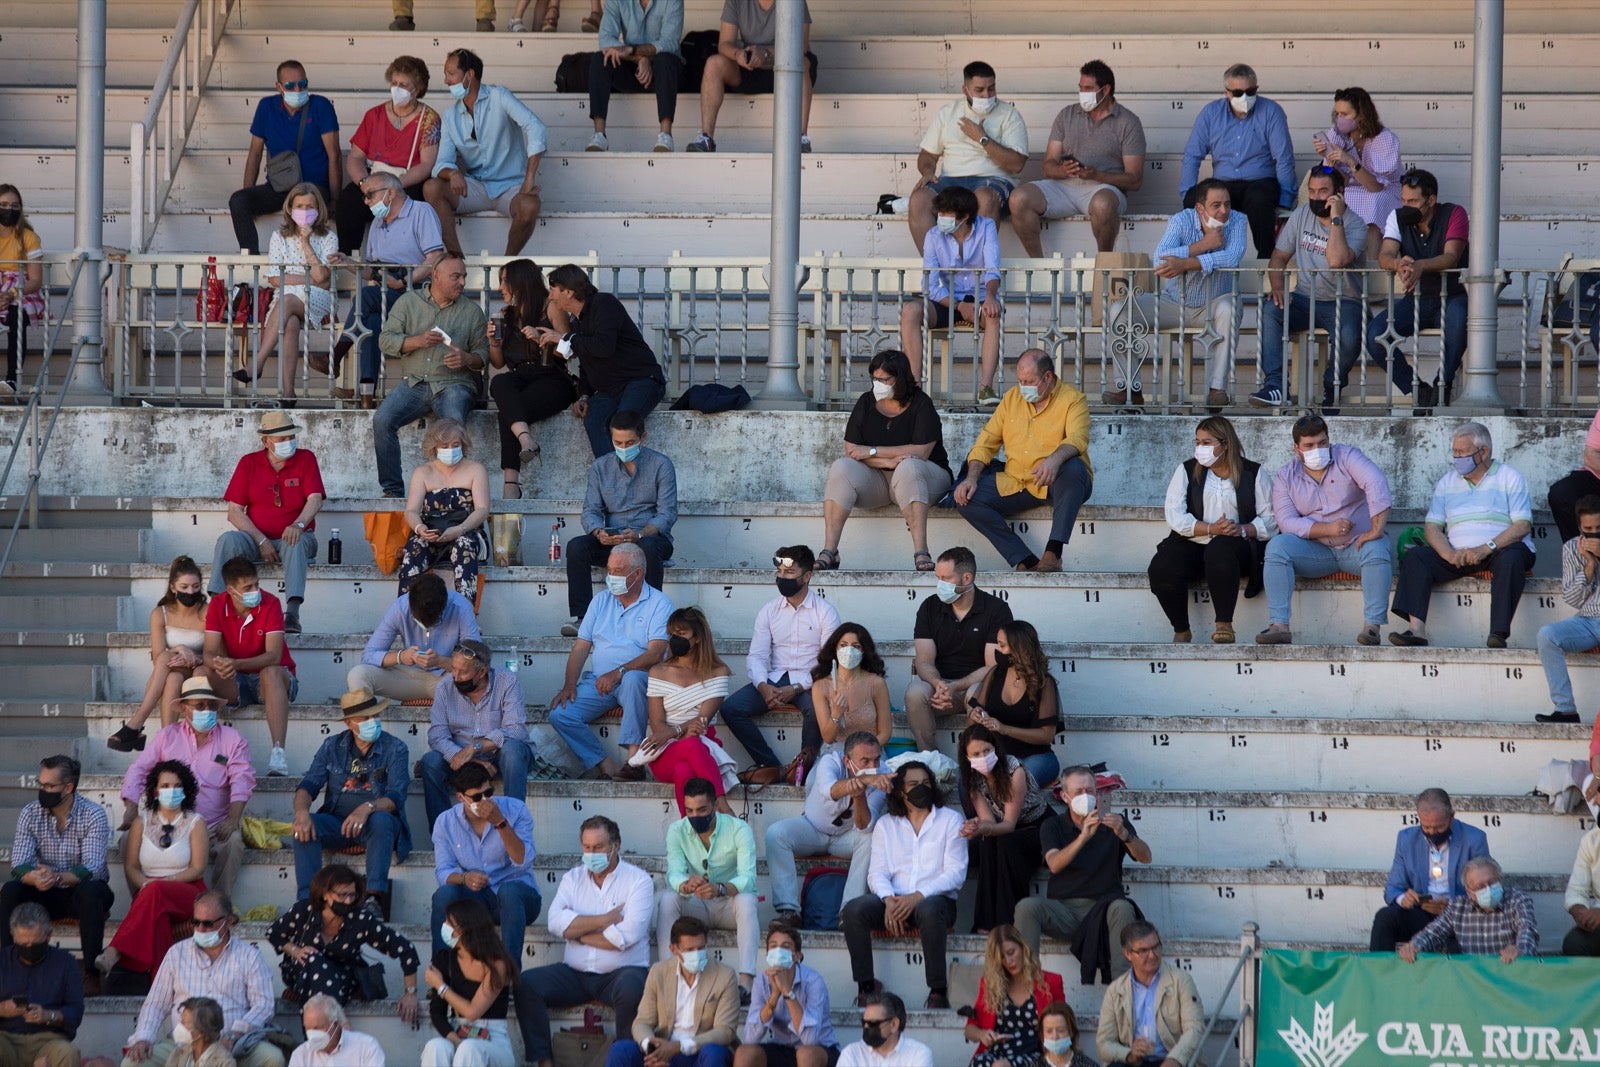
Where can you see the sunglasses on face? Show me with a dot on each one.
(1236, 93)
(303, 83)
(473, 798)
(208, 924)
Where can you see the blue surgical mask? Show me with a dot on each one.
(1058, 1046)
(283, 449)
(780, 958)
(1489, 897)
(251, 599)
(849, 656)
(617, 584)
(448, 935)
(298, 98)
(694, 961)
(1030, 393)
(948, 223)
(204, 720)
(370, 730)
(947, 592)
(171, 799)
(459, 89)
(596, 862)
(450, 456)
(1465, 465)
(629, 454)
(379, 210)
(208, 938)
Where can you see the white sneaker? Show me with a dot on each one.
(805, 143)
(598, 143)
(278, 763)
(663, 142)
(517, 26)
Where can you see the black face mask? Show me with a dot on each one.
(1002, 661)
(10, 216)
(341, 908)
(465, 688)
(872, 1033)
(920, 795)
(1319, 208)
(33, 954)
(1438, 840)
(677, 645)
(788, 586)
(701, 824)
(49, 799)
(1408, 216)
(188, 600)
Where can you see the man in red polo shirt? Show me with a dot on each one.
(246, 657)
(273, 500)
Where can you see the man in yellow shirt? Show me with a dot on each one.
(1043, 424)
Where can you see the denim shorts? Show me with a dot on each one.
(999, 186)
(250, 688)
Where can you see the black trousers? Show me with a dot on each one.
(351, 216)
(1258, 200)
(932, 918)
(1579, 942)
(1394, 924)
(1564, 497)
(16, 323)
(527, 395)
(246, 205)
(586, 551)
(88, 902)
(666, 72)
(1421, 569)
(1179, 560)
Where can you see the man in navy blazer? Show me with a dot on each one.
(1428, 860)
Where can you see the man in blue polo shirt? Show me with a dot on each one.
(293, 121)
(1247, 137)
(483, 164)
(626, 628)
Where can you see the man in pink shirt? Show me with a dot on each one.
(219, 756)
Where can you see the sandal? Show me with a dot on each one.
(923, 561)
(590, 24)
(511, 491)
(531, 453)
(551, 17)
(827, 560)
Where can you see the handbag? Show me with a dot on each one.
(440, 521)
(370, 985)
(579, 1050)
(211, 302)
(283, 168)
(390, 168)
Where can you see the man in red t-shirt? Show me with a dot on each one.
(273, 499)
(246, 657)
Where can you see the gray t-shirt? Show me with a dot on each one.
(1099, 145)
(1305, 237)
(756, 27)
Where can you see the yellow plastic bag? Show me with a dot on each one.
(264, 833)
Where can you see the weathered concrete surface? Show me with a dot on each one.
(747, 455)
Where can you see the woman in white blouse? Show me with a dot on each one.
(1368, 153)
(686, 691)
(1219, 505)
(299, 256)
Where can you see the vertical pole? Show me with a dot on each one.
(1249, 992)
(1482, 389)
(782, 388)
(88, 224)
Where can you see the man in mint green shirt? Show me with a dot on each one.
(440, 343)
(711, 873)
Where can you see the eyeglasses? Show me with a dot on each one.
(208, 924)
(1236, 93)
(277, 495)
(1151, 950)
(347, 896)
(303, 83)
(473, 654)
(475, 797)
(785, 561)
(167, 830)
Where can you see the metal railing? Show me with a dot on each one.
(158, 141)
(1246, 974)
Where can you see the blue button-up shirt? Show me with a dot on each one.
(482, 143)
(80, 848)
(457, 849)
(1242, 149)
(624, 22)
(647, 497)
(1144, 1013)
(352, 778)
(399, 628)
(1183, 230)
(814, 1028)
(620, 634)
(730, 857)
(953, 266)
(457, 720)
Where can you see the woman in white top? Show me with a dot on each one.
(164, 857)
(848, 691)
(1219, 505)
(177, 634)
(686, 691)
(1368, 153)
(298, 269)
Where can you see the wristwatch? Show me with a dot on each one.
(300, 524)
(983, 142)
(1339, 221)
(872, 453)
(1492, 546)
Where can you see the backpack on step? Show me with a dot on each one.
(822, 897)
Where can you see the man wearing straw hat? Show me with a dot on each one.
(273, 499)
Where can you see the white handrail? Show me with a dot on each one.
(170, 115)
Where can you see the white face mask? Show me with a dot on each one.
(1242, 105)
(318, 1039)
(182, 1036)
(947, 223)
(1205, 455)
(1214, 223)
(1083, 805)
(400, 95)
(1317, 458)
(882, 390)
(1088, 101)
(984, 104)
(617, 584)
(985, 763)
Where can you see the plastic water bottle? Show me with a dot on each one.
(511, 665)
(335, 549)
(555, 542)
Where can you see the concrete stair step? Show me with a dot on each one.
(64, 608)
(104, 513)
(53, 544)
(81, 681)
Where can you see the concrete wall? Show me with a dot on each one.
(750, 455)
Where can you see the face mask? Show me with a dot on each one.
(1057, 1046)
(1408, 216)
(1242, 105)
(1345, 124)
(459, 89)
(171, 799)
(400, 95)
(849, 656)
(318, 1039)
(448, 935)
(947, 592)
(10, 216)
(1317, 458)
(984, 104)
(204, 720)
(788, 587)
(188, 600)
(596, 862)
(283, 449)
(182, 1035)
(48, 799)
(780, 958)
(702, 824)
(297, 99)
(370, 730)
(1464, 465)
(341, 908)
(920, 795)
(629, 454)
(882, 390)
(1319, 208)
(208, 938)
(1489, 897)
(379, 209)
(948, 223)
(872, 1034)
(465, 687)
(1205, 455)
(1002, 661)
(694, 961)
(450, 456)
(1214, 223)
(1029, 393)
(617, 584)
(678, 645)
(303, 216)
(1083, 805)
(1088, 101)
(985, 763)
(251, 599)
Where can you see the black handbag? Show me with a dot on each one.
(369, 982)
(440, 521)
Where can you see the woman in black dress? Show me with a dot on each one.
(1018, 700)
(1004, 808)
(469, 989)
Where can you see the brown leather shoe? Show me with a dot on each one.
(319, 362)
(629, 773)
(369, 403)
(1049, 563)
(91, 983)
(1120, 398)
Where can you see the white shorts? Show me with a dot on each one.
(477, 199)
(1071, 196)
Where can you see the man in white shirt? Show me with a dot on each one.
(690, 1010)
(789, 635)
(844, 799)
(883, 1037)
(329, 1042)
(602, 909)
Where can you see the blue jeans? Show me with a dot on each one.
(296, 558)
(988, 509)
(1044, 766)
(1577, 634)
(628, 1054)
(372, 304)
(513, 906)
(571, 720)
(1406, 313)
(1288, 555)
(1341, 318)
(405, 404)
(641, 395)
(513, 759)
(378, 836)
(741, 710)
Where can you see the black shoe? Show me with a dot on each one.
(1424, 396)
(1497, 640)
(938, 1000)
(1328, 402)
(788, 918)
(1406, 639)
(886, 203)
(867, 989)
(291, 622)
(126, 739)
(1569, 718)
(744, 997)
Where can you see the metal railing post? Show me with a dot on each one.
(782, 388)
(1482, 390)
(1249, 993)
(88, 217)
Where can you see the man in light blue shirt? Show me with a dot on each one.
(483, 850)
(427, 621)
(481, 164)
(638, 54)
(1247, 137)
(711, 875)
(1195, 257)
(625, 628)
(480, 717)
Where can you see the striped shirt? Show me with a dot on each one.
(1482, 932)
(1577, 590)
(238, 980)
(80, 848)
(1472, 514)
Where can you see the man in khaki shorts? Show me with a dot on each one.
(1094, 158)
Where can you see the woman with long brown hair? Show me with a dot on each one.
(536, 385)
(469, 989)
(686, 690)
(1017, 699)
(177, 637)
(1005, 808)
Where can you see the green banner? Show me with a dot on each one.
(1337, 1009)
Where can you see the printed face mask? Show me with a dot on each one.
(850, 656)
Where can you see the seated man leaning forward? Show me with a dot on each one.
(480, 718)
(427, 621)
